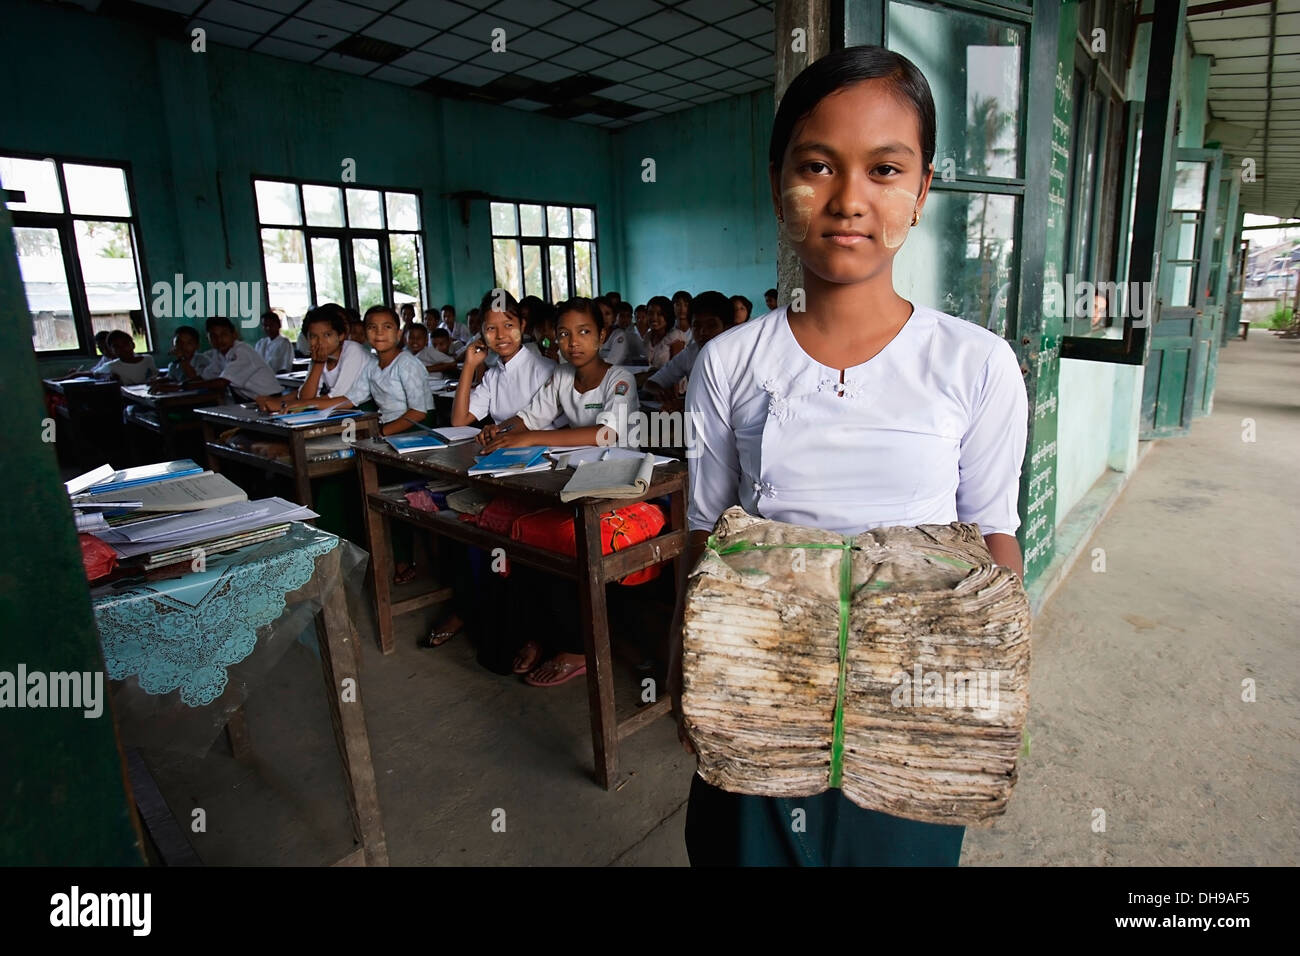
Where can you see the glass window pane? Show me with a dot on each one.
(285, 257)
(505, 266)
(403, 211)
(37, 178)
(1182, 291)
(582, 272)
(1188, 224)
(327, 270)
(370, 280)
(503, 221)
(45, 280)
(109, 278)
(973, 64)
(363, 209)
(959, 259)
(559, 263)
(533, 271)
(277, 203)
(1189, 186)
(530, 221)
(404, 257)
(324, 205)
(584, 223)
(96, 190)
(557, 221)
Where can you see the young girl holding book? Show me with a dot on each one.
(861, 411)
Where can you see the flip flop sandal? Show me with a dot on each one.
(534, 658)
(438, 637)
(567, 672)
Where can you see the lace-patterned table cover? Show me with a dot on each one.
(188, 643)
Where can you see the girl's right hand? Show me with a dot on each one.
(475, 355)
(488, 432)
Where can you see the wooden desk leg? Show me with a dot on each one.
(301, 479)
(339, 657)
(381, 555)
(210, 435)
(595, 639)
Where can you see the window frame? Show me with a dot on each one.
(344, 234)
(546, 242)
(65, 224)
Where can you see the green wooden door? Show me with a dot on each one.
(1177, 366)
(1216, 285)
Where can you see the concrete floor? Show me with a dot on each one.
(1136, 702)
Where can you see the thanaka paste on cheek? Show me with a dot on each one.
(897, 206)
(796, 206)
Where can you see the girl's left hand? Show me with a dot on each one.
(515, 438)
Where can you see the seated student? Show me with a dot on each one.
(663, 339)
(357, 332)
(682, 312)
(97, 370)
(642, 320)
(616, 346)
(513, 381)
(336, 361)
(459, 333)
(711, 314)
(475, 319)
(744, 309)
(274, 348)
(127, 367)
(770, 298)
(635, 344)
(408, 315)
(595, 398)
(188, 364)
(433, 359)
(237, 364)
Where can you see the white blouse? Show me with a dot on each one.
(509, 386)
(930, 430)
(657, 356)
(353, 360)
(610, 403)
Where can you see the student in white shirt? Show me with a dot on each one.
(459, 333)
(711, 315)
(188, 363)
(861, 411)
(614, 350)
(744, 309)
(337, 362)
(275, 349)
(127, 367)
(509, 385)
(635, 344)
(597, 399)
(663, 339)
(432, 358)
(237, 364)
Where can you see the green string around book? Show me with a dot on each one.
(892, 665)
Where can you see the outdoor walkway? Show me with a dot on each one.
(1136, 705)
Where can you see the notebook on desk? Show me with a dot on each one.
(511, 461)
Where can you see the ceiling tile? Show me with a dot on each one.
(176, 6)
(659, 57)
(622, 92)
(751, 24)
(651, 101)
(281, 6)
(695, 69)
(616, 124)
(402, 32)
(426, 64)
(653, 81)
(687, 91)
(312, 34)
(545, 72)
(287, 49)
(380, 5)
(643, 115)
(455, 47)
(665, 25)
(525, 104)
(235, 14)
(764, 69)
(677, 106)
(230, 36)
(434, 13)
(737, 54)
(619, 11)
(595, 119)
(620, 70)
(703, 41)
(348, 64)
(337, 14)
(715, 95)
(765, 40)
(505, 61)
(471, 75)
(532, 12)
(481, 28)
(537, 44)
(623, 43)
(711, 11)
(752, 86)
(394, 75)
(577, 26)
(580, 59)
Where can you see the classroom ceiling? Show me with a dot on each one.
(608, 63)
(1255, 95)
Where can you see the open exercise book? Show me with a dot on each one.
(190, 493)
(611, 476)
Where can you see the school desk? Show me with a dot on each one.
(166, 414)
(184, 654)
(91, 411)
(298, 468)
(591, 569)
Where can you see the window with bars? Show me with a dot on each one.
(544, 250)
(355, 245)
(78, 242)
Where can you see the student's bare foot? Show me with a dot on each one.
(528, 657)
(443, 632)
(405, 573)
(560, 669)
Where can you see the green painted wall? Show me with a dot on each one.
(706, 222)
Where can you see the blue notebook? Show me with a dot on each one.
(414, 441)
(145, 475)
(315, 415)
(509, 459)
